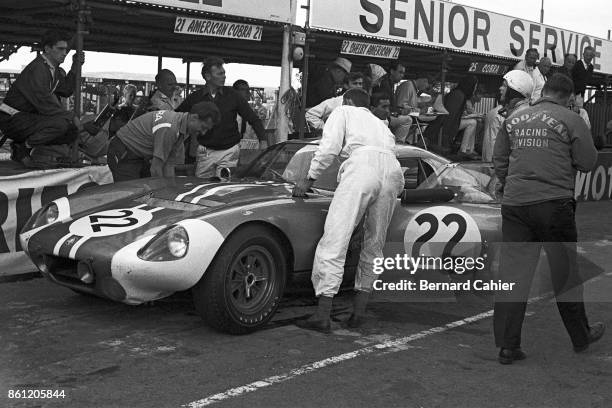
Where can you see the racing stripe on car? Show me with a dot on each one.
(194, 190)
(224, 189)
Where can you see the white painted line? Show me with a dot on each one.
(387, 347)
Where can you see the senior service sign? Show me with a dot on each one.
(447, 25)
(271, 10)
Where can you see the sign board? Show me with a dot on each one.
(487, 69)
(270, 10)
(217, 28)
(597, 184)
(369, 49)
(453, 26)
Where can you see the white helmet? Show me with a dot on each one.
(520, 81)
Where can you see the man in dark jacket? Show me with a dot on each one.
(32, 113)
(583, 71)
(537, 153)
(220, 146)
(329, 83)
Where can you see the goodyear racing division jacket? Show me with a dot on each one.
(538, 151)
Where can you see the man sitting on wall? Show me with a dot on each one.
(32, 115)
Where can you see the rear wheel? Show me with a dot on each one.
(241, 289)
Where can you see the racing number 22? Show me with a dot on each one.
(96, 226)
(432, 220)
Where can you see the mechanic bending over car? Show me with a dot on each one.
(152, 144)
(537, 152)
(369, 182)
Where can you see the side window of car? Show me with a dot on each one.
(411, 167)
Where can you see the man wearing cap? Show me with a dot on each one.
(537, 153)
(329, 83)
(157, 138)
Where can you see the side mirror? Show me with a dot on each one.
(428, 195)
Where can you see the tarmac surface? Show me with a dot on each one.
(421, 354)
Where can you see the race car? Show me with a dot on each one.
(239, 243)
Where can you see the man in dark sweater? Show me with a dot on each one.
(536, 155)
(32, 113)
(220, 146)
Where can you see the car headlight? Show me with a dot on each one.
(45, 216)
(169, 245)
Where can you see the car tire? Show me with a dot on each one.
(242, 288)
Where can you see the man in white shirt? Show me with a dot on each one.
(369, 182)
(317, 115)
(539, 76)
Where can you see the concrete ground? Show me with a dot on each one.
(103, 354)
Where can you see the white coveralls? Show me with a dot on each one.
(369, 182)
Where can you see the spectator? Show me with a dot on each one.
(374, 74)
(125, 110)
(32, 114)
(407, 93)
(540, 75)
(317, 115)
(536, 156)
(327, 85)
(571, 104)
(153, 144)
(246, 131)
(400, 122)
(582, 73)
(454, 102)
(529, 63)
(569, 61)
(381, 106)
(220, 146)
(389, 81)
(163, 97)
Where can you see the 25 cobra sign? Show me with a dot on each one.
(454, 26)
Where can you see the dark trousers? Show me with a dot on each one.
(125, 164)
(526, 229)
(38, 129)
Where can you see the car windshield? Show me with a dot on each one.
(469, 185)
(289, 162)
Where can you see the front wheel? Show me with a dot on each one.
(243, 286)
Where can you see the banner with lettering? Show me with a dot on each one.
(22, 195)
(454, 26)
(597, 184)
(369, 49)
(217, 28)
(270, 10)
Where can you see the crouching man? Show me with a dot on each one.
(152, 144)
(32, 115)
(369, 182)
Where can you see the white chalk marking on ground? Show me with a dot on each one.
(384, 348)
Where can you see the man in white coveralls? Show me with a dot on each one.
(369, 182)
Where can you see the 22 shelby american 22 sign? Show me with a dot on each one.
(448, 25)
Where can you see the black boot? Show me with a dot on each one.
(360, 302)
(319, 321)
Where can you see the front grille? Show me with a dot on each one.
(64, 270)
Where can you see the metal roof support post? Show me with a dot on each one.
(443, 71)
(282, 121)
(302, 118)
(187, 79)
(80, 32)
(159, 58)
